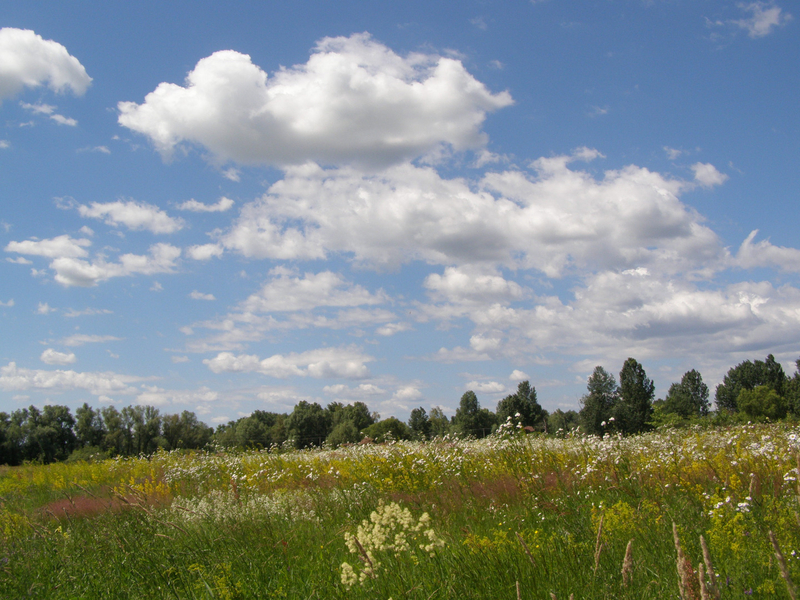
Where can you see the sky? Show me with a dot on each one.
(224, 207)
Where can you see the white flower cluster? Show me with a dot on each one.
(222, 506)
(391, 529)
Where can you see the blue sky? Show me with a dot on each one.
(228, 207)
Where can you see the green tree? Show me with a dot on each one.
(634, 405)
(89, 428)
(561, 420)
(762, 401)
(597, 405)
(523, 403)
(687, 399)
(391, 428)
(420, 424)
(308, 424)
(471, 419)
(749, 375)
(440, 424)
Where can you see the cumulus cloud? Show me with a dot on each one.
(49, 110)
(82, 273)
(407, 393)
(195, 295)
(361, 391)
(205, 251)
(347, 363)
(194, 206)
(134, 215)
(354, 101)
(517, 375)
(44, 309)
(466, 284)
(28, 60)
(287, 293)
(53, 357)
(763, 18)
(552, 218)
(14, 378)
(486, 387)
(9, 304)
(62, 246)
(706, 175)
(764, 254)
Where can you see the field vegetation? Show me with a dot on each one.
(512, 515)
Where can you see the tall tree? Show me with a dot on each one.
(524, 403)
(749, 375)
(420, 424)
(689, 398)
(471, 419)
(89, 428)
(634, 405)
(308, 425)
(597, 405)
(440, 424)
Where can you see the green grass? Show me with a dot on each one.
(266, 525)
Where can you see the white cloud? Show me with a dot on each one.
(156, 396)
(347, 362)
(517, 375)
(134, 215)
(764, 18)
(205, 251)
(465, 284)
(764, 254)
(195, 295)
(72, 313)
(13, 378)
(232, 174)
(5, 144)
(179, 359)
(392, 328)
(407, 393)
(62, 120)
(193, 205)
(19, 261)
(44, 309)
(286, 293)
(61, 246)
(552, 220)
(75, 272)
(79, 339)
(486, 387)
(28, 60)
(9, 304)
(706, 175)
(353, 101)
(364, 390)
(52, 357)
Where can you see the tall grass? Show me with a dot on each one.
(510, 516)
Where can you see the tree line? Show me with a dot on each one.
(751, 390)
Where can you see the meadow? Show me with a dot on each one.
(677, 513)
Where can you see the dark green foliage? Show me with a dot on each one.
(525, 404)
(388, 429)
(634, 405)
(89, 427)
(344, 432)
(687, 399)
(748, 376)
(308, 425)
(471, 419)
(185, 431)
(561, 420)
(763, 401)
(597, 405)
(440, 424)
(420, 424)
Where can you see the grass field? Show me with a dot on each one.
(510, 516)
